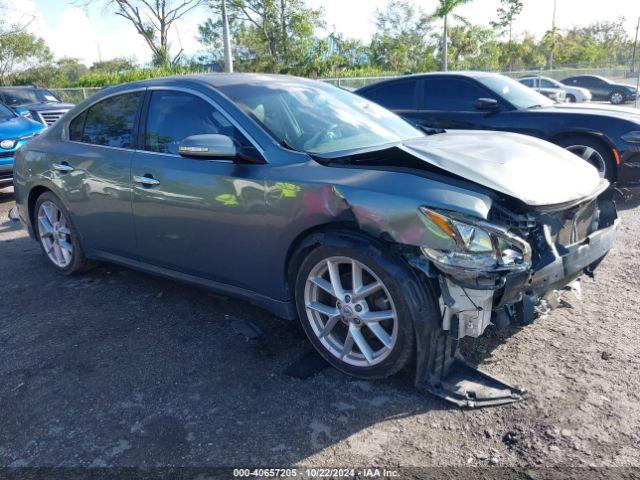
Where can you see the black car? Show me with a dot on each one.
(603, 89)
(607, 137)
(36, 103)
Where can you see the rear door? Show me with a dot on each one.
(196, 216)
(93, 169)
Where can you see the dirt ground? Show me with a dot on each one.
(118, 368)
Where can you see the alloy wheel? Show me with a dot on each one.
(592, 156)
(350, 311)
(55, 234)
(617, 98)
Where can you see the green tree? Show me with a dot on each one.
(444, 11)
(267, 35)
(400, 42)
(115, 65)
(508, 11)
(20, 50)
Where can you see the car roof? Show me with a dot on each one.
(224, 79)
(463, 73)
(535, 76)
(588, 76)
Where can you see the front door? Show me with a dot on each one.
(449, 102)
(194, 215)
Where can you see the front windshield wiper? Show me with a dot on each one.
(287, 145)
(538, 105)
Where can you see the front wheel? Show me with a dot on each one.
(593, 152)
(353, 306)
(617, 97)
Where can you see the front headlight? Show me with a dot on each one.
(8, 144)
(473, 245)
(632, 137)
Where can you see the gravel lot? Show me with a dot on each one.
(118, 368)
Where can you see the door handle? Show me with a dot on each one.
(63, 167)
(146, 180)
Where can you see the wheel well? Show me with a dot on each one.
(31, 202)
(305, 242)
(591, 136)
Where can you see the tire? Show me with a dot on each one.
(571, 98)
(618, 97)
(581, 145)
(378, 265)
(67, 260)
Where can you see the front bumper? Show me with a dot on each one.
(469, 303)
(629, 168)
(6, 170)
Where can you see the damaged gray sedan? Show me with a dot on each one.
(388, 243)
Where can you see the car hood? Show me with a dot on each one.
(534, 171)
(46, 106)
(18, 127)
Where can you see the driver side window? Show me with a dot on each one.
(174, 116)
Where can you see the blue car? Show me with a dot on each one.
(15, 131)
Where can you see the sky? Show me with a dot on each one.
(94, 33)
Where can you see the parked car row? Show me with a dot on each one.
(548, 86)
(606, 137)
(389, 240)
(24, 113)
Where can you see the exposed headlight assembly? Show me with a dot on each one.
(473, 245)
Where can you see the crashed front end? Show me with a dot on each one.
(513, 265)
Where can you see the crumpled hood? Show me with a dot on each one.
(529, 169)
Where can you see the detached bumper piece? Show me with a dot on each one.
(442, 371)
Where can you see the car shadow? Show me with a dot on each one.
(6, 194)
(124, 369)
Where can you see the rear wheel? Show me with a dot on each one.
(58, 237)
(592, 151)
(353, 308)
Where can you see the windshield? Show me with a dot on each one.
(318, 118)
(514, 92)
(17, 97)
(6, 112)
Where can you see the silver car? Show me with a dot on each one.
(572, 94)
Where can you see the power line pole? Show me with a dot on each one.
(553, 36)
(226, 39)
(635, 47)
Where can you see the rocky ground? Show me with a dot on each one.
(117, 368)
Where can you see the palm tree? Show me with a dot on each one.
(444, 10)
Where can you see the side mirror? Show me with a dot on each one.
(208, 147)
(487, 104)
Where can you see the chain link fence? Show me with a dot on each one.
(76, 95)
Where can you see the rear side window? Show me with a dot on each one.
(396, 96)
(108, 122)
(173, 116)
(451, 93)
(527, 81)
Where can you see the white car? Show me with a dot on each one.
(574, 94)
